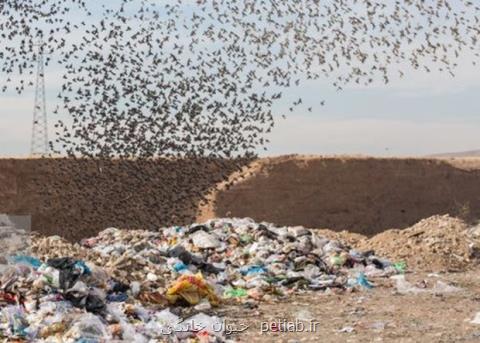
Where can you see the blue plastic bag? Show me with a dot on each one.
(253, 270)
(31, 261)
(179, 266)
(362, 281)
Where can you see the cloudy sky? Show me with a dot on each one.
(418, 115)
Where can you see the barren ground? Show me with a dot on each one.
(378, 315)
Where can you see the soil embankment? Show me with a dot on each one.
(77, 198)
(363, 195)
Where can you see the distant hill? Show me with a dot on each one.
(471, 153)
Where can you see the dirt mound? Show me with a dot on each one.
(79, 198)
(438, 243)
(358, 194)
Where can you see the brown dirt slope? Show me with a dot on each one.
(364, 195)
(77, 198)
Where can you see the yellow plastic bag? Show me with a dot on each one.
(192, 288)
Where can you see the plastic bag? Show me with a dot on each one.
(87, 328)
(404, 287)
(179, 266)
(50, 276)
(117, 297)
(191, 288)
(400, 267)
(127, 330)
(96, 276)
(476, 319)
(337, 260)
(135, 288)
(235, 293)
(362, 281)
(70, 270)
(30, 261)
(204, 240)
(17, 322)
(253, 270)
(93, 300)
(162, 324)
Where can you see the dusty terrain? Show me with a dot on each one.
(77, 199)
(378, 315)
(364, 195)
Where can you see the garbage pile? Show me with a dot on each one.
(12, 239)
(438, 243)
(145, 286)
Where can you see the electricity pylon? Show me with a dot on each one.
(39, 143)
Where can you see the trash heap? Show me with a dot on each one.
(12, 239)
(145, 286)
(438, 243)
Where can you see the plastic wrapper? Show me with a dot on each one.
(405, 287)
(88, 327)
(235, 293)
(17, 323)
(192, 288)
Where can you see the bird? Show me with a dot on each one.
(152, 80)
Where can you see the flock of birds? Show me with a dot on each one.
(200, 78)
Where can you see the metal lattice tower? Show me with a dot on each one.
(39, 143)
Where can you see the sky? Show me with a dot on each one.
(420, 114)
